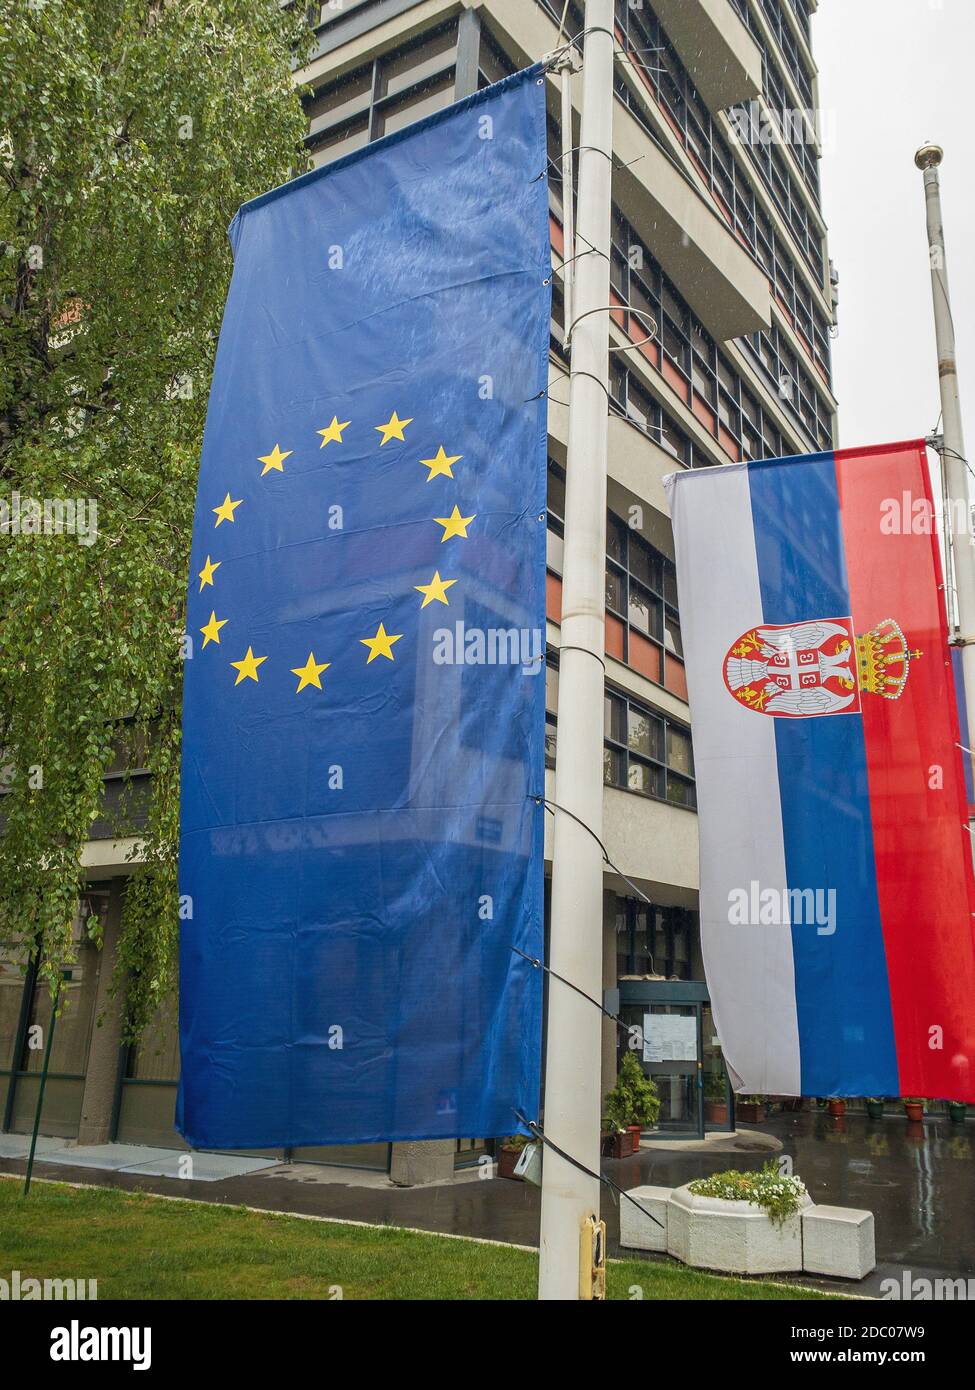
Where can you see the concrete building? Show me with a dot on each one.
(719, 237)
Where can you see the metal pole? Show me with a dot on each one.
(572, 1070)
(565, 67)
(954, 467)
(40, 1092)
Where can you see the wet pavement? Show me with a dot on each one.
(918, 1180)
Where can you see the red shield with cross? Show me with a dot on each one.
(796, 670)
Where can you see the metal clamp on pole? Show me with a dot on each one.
(649, 324)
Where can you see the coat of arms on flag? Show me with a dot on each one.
(797, 670)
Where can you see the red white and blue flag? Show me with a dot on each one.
(837, 892)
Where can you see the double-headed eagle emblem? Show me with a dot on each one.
(817, 667)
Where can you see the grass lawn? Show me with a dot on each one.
(140, 1246)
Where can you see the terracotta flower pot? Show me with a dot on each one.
(617, 1144)
(837, 1107)
(914, 1111)
(507, 1159)
(716, 1112)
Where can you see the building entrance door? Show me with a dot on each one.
(681, 1054)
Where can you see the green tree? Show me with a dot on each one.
(130, 132)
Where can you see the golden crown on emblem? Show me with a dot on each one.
(884, 660)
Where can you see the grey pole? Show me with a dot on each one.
(565, 67)
(961, 548)
(43, 1085)
(572, 1058)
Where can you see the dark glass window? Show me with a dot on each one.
(646, 752)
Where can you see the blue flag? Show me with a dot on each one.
(363, 764)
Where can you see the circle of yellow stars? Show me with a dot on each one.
(382, 642)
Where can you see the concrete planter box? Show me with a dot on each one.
(733, 1237)
(638, 1231)
(838, 1241)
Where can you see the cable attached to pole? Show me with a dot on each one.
(541, 1136)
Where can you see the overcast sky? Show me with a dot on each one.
(893, 75)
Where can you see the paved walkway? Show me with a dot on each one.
(919, 1181)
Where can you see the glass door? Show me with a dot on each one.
(671, 1058)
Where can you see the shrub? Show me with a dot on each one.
(633, 1100)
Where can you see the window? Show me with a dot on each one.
(641, 604)
(383, 95)
(653, 940)
(551, 704)
(645, 752)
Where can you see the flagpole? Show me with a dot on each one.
(572, 1060)
(961, 547)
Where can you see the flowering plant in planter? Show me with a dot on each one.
(779, 1196)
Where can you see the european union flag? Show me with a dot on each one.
(364, 706)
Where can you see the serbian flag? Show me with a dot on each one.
(837, 892)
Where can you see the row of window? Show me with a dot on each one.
(795, 135)
(787, 283)
(803, 10)
(653, 940)
(639, 281)
(655, 59)
(771, 350)
(383, 95)
(642, 621)
(784, 37)
(643, 752)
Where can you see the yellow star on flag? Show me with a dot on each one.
(207, 572)
(211, 633)
(381, 644)
(225, 512)
(332, 433)
(275, 459)
(246, 668)
(309, 673)
(454, 525)
(436, 589)
(393, 429)
(441, 465)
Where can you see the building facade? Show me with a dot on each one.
(718, 236)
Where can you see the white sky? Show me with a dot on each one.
(894, 74)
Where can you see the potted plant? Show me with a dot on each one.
(837, 1106)
(751, 1109)
(615, 1142)
(715, 1098)
(875, 1108)
(509, 1152)
(914, 1108)
(631, 1106)
(957, 1111)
